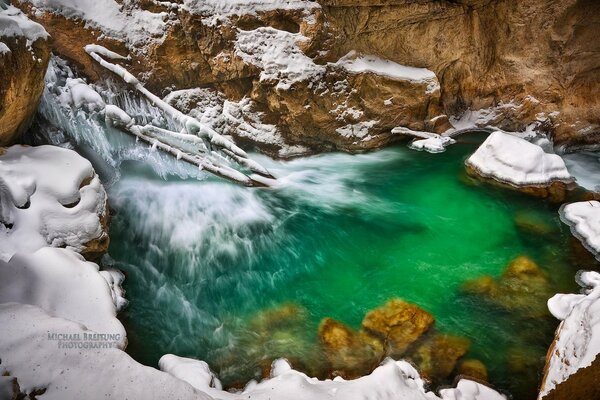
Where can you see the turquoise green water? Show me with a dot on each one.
(342, 235)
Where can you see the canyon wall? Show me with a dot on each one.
(532, 62)
(24, 56)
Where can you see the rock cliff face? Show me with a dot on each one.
(24, 56)
(534, 62)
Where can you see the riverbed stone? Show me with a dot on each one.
(438, 355)
(523, 287)
(473, 369)
(398, 323)
(350, 354)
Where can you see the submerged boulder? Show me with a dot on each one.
(473, 368)
(350, 354)
(24, 56)
(523, 287)
(438, 355)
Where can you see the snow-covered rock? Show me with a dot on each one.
(515, 161)
(577, 341)
(584, 219)
(62, 283)
(50, 196)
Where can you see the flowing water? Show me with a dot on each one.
(338, 236)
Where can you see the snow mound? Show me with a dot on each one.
(65, 285)
(516, 161)
(31, 354)
(49, 196)
(584, 219)
(577, 340)
(13, 23)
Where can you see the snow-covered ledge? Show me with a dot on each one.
(515, 161)
(577, 341)
(584, 220)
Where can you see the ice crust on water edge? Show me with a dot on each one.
(577, 342)
(516, 161)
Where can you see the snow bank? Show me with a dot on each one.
(49, 196)
(584, 219)
(13, 23)
(577, 340)
(63, 284)
(278, 56)
(393, 380)
(356, 64)
(515, 161)
(131, 25)
(36, 360)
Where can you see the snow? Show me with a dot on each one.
(78, 94)
(430, 142)
(577, 341)
(356, 64)
(4, 48)
(278, 56)
(219, 11)
(91, 372)
(359, 130)
(61, 282)
(42, 202)
(115, 116)
(516, 161)
(393, 380)
(584, 219)
(132, 25)
(13, 23)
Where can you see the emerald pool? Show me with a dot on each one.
(340, 235)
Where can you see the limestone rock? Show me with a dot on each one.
(398, 323)
(24, 56)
